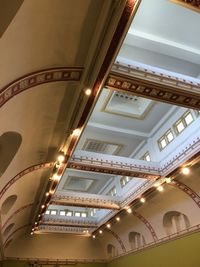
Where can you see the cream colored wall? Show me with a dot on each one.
(171, 199)
(55, 246)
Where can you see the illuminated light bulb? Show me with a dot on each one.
(117, 219)
(36, 223)
(100, 231)
(33, 229)
(168, 180)
(142, 199)
(47, 194)
(160, 188)
(84, 231)
(108, 225)
(43, 206)
(129, 210)
(51, 192)
(39, 216)
(93, 236)
(185, 170)
(56, 177)
(76, 132)
(31, 233)
(88, 92)
(61, 157)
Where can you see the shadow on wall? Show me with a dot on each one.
(136, 240)
(111, 251)
(174, 222)
(9, 145)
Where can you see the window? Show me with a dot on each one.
(47, 212)
(77, 214)
(167, 138)
(93, 212)
(174, 222)
(124, 180)
(53, 212)
(136, 240)
(69, 213)
(112, 192)
(146, 157)
(83, 214)
(183, 122)
(62, 213)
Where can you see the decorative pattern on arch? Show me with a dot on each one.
(16, 230)
(22, 173)
(118, 239)
(186, 189)
(40, 77)
(148, 225)
(16, 212)
(157, 86)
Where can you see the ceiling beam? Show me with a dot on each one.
(114, 165)
(154, 85)
(86, 200)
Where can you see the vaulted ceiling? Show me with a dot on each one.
(51, 54)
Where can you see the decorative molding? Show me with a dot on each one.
(163, 240)
(16, 212)
(69, 222)
(22, 173)
(147, 224)
(191, 4)
(114, 165)
(117, 238)
(40, 77)
(85, 201)
(51, 261)
(64, 228)
(186, 189)
(154, 85)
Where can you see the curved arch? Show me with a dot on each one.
(16, 212)
(8, 204)
(8, 229)
(39, 77)
(22, 173)
(147, 224)
(10, 143)
(186, 189)
(15, 231)
(118, 239)
(174, 222)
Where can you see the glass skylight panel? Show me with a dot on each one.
(163, 143)
(146, 157)
(169, 136)
(83, 214)
(62, 213)
(77, 214)
(124, 180)
(188, 118)
(47, 212)
(112, 192)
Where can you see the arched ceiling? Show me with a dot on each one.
(51, 52)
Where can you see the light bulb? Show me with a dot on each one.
(88, 92)
(185, 170)
(117, 219)
(108, 225)
(100, 231)
(142, 199)
(160, 188)
(129, 210)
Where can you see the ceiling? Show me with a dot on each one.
(50, 55)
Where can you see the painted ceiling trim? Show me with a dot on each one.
(14, 232)
(15, 213)
(152, 85)
(186, 189)
(59, 74)
(23, 173)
